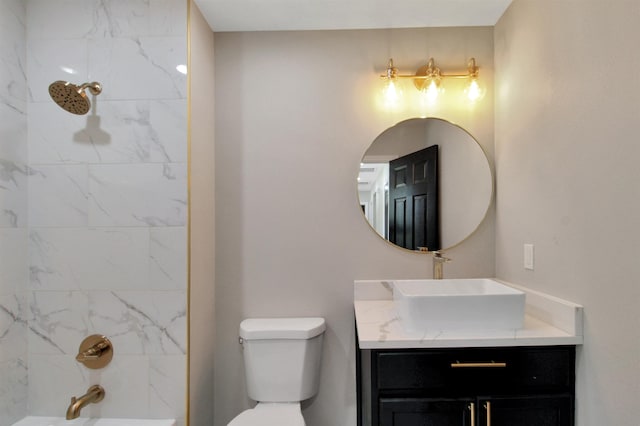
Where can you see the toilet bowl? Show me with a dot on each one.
(271, 414)
(282, 368)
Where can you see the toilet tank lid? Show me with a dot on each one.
(281, 328)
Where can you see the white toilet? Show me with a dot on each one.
(282, 367)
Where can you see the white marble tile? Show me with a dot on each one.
(58, 196)
(12, 51)
(13, 391)
(139, 68)
(120, 18)
(73, 259)
(13, 14)
(52, 59)
(13, 194)
(13, 326)
(141, 322)
(168, 258)
(116, 132)
(61, 19)
(53, 380)
(51, 136)
(167, 386)
(126, 384)
(13, 130)
(13, 260)
(13, 86)
(138, 195)
(168, 17)
(168, 131)
(120, 131)
(58, 321)
(105, 19)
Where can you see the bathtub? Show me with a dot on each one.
(83, 421)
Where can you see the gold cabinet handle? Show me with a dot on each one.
(472, 408)
(491, 364)
(487, 407)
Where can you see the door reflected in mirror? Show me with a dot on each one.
(425, 182)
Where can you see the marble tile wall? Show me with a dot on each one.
(98, 243)
(13, 212)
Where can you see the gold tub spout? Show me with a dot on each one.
(94, 394)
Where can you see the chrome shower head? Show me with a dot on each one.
(73, 98)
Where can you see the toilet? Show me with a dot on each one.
(282, 368)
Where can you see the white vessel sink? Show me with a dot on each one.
(458, 304)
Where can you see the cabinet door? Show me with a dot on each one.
(526, 411)
(425, 412)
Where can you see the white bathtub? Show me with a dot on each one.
(59, 421)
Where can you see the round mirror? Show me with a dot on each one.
(425, 182)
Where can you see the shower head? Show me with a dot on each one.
(73, 98)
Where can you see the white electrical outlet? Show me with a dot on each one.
(528, 257)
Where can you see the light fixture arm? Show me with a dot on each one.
(392, 72)
(430, 71)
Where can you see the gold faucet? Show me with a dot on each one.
(438, 261)
(94, 394)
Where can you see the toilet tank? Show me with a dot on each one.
(282, 357)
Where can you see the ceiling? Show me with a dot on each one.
(283, 15)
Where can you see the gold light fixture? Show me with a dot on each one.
(428, 80)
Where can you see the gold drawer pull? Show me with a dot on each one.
(487, 406)
(472, 409)
(491, 364)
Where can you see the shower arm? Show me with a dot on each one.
(94, 87)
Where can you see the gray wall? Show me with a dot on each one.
(295, 112)
(202, 220)
(567, 110)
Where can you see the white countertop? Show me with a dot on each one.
(548, 321)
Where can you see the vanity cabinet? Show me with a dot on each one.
(506, 386)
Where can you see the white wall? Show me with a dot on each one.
(106, 204)
(568, 181)
(290, 237)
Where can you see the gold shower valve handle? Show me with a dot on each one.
(95, 351)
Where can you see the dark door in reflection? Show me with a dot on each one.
(413, 200)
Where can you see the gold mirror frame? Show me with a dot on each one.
(484, 184)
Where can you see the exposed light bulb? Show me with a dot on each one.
(391, 93)
(473, 91)
(431, 92)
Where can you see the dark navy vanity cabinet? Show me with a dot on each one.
(503, 386)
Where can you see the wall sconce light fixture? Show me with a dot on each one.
(428, 80)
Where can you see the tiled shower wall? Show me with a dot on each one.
(107, 205)
(13, 212)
